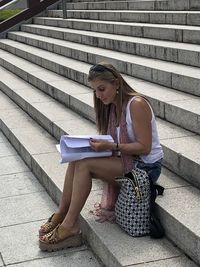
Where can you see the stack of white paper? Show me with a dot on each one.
(76, 147)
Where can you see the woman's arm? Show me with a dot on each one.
(141, 116)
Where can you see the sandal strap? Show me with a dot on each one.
(50, 218)
(53, 236)
(49, 225)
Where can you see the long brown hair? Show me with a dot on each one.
(107, 72)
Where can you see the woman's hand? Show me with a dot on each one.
(101, 145)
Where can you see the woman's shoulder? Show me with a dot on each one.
(139, 105)
(138, 101)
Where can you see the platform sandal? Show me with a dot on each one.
(50, 225)
(53, 242)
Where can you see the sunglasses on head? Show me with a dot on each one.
(102, 68)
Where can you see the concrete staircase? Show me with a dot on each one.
(44, 94)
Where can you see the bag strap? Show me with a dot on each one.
(156, 228)
(155, 191)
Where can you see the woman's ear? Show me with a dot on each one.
(116, 83)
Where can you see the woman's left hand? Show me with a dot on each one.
(100, 145)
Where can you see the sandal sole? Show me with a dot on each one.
(73, 241)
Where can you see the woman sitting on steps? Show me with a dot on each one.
(128, 117)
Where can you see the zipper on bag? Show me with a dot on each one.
(137, 188)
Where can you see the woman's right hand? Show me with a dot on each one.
(101, 145)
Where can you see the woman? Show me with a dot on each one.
(128, 117)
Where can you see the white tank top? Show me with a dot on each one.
(156, 152)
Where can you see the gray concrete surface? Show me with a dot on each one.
(45, 166)
(177, 76)
(154, 17)
(177, 107)
(135, 5)
(177, 33)
(165, 50)
(49, 114)
(54, 59)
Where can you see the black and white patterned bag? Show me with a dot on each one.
(132, 208)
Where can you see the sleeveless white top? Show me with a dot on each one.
(156, 152)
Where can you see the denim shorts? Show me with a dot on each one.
(153, 169)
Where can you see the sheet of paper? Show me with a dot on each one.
(77, 147)
(83, 140)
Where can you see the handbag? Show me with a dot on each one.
(132, 208)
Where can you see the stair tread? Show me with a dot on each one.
(164, 26)
(174, 137)
(149, 41)
(123, 253)
(170, 67)
(161, 93)
(38, 111)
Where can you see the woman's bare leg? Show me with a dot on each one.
(104, 168)
(67, 189)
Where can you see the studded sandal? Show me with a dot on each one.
(50, 225)
(53, 241)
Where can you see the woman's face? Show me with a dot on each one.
(106, 91)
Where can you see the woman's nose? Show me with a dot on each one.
(98, 95)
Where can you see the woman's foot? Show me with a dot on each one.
(51, 224)
(60, 238)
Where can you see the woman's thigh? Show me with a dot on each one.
(103, 168)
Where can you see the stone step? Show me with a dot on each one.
(177, 143)
(86, 1)
(168, 32)
(189, 18)
(173, 75)
(188, 54)
(103, 238)
(117, 5)
(162, 4)
(179, 108)
(135, 5)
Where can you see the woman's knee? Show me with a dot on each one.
(83, 164)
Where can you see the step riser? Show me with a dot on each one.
(24, 154)
(180, 235)
(174, 161)
(149, 5)
(177, 18)
(140, 5)
(171, 80)
(135, 5)
(87, 1)
(112, 1)
(30, 110)
(175, 35)
(182, 166)
(191, 58)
